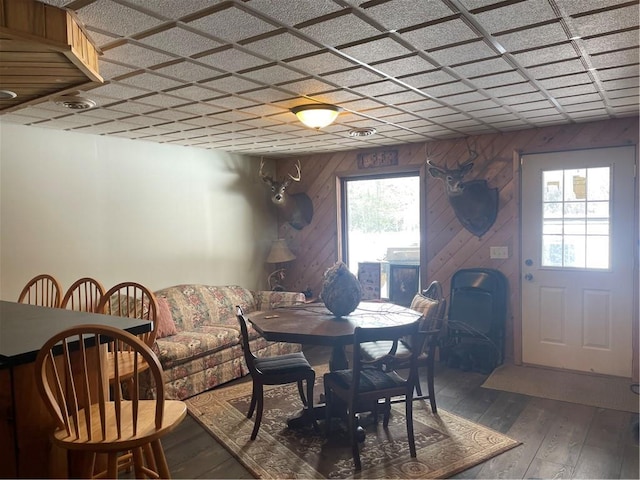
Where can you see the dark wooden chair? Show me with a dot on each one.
(43, 290)
(368, 381)
(276, 370)
(432, 305)
(90, 419)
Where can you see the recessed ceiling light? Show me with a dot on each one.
(7, 94)
(75, 102)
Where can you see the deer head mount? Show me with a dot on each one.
(296, 208)
(474, 203)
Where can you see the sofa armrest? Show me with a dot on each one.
(268, 300)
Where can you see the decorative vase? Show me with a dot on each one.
(341, 290)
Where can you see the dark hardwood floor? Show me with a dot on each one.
(560, 440)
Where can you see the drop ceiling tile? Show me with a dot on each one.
(234, 116)
(205, 121)
(360, 104)
(280, 46)
(573, 90)
(566, 80)
(378, 88)
(542, 112)
(188, 71)
(309, 86)
(556, 69)
(266, 95)
(470, 52)
(581, 107)
(194, 92)
(230, 102)
(113, 17)
(625, 92)
(231, 60)
(101, 39)
(375, 50)
(428, 79)
(320, 63)
(199, 108)
(353, 76)
(488, 81)
(632, 102)
(408, 96)
(180, 41)
(230, 84)
(439, 34)
(272, 74)
(573, 99)
(619, 72)
(533, 37)
(403, 66)
(443, 90)
(515, 15)
(109, 70)
(116, 91)
(136, 55)
(463, 98)
(602, 21)
(149, 81)
(612, 59)
(483, 67)
(508, 90)
(406, 13)
(232, 24)
(161, 100)
(340, 30)
(534, 105)
(172, 115)
(479, 105)
(546, 55)
(293, 12)
(173, 9)
(608, 43)
(132, 107)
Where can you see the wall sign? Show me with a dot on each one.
(378, 159)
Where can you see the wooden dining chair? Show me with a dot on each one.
(43, 290)
(132, 300)
(369, 381)
(92, 419)
(432, 304)
(83, 295)
(275, 370)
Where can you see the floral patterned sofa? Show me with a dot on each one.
(198, 341)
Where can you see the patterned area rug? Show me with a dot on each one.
(446, 444)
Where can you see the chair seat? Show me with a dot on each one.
(370, 379)
(174, 412)
(289, 363)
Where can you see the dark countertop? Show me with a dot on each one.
(25, 328)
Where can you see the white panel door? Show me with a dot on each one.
(578, 249)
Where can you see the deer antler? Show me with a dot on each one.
(299, 175)
(265, 178)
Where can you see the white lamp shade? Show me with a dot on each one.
(317, 115)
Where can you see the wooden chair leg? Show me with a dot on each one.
(409, 419)
(150, 458)
(431, 388)
(327, 410)
(418, 387)
(138, 462)
(387, 411)
(252, 405)
(310, 384)
(112, 465)
(260, 400)
(161, 461)
(353, 425)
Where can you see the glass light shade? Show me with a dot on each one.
(280, 252)
(316, 115)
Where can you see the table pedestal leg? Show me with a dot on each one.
(338, 360)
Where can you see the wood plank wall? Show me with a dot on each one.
(449, 246)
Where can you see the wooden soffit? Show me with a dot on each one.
(43, 53)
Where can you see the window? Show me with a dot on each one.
(576, 218)
(381, 227)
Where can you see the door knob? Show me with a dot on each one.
(528, 277)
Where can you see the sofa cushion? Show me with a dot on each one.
(194, 306)
(166, 327)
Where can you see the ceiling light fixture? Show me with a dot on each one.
(316, 115)
(75, 102)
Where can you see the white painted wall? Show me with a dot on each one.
(76, 205)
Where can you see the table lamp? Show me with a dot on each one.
(279, 254)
